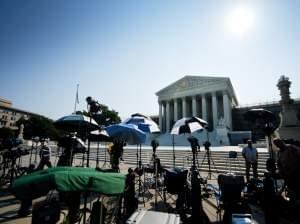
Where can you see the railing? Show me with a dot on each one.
(265, 103)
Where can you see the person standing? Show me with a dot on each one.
(250, 155)
(116, 153)
(45, 154)
(154, 144)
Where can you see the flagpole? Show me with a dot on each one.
(76, 99)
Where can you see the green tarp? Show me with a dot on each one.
(67, 179)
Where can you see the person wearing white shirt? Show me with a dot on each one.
(250, 155)
(45, 155)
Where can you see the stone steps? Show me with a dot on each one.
(221, 163)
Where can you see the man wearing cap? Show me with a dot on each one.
(250, 155)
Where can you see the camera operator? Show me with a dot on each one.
(289, 166)
(45, 155)
(94, 106)
(116, 153)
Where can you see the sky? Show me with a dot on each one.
(122, 52)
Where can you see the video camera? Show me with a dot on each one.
(10, 143)
(269, 127)
(14, 149)
(206, 145)
(291, 142)
(94, 106)
(194, 143)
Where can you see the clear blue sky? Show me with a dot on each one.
(122, 52)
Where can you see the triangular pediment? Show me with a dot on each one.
(191, 82)
(189, 85)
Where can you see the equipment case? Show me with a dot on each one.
(141, 216)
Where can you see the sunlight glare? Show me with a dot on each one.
(240, 21)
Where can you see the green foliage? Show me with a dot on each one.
(39, 126)
(6, 133)
(106, 117)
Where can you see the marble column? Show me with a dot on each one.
(204, 107)
(214, 108)
(184, 107)
(160, 119)
(167, 116)
(175, 110)
(227, 109)
(194, 106)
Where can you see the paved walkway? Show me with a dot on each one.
(9, 205)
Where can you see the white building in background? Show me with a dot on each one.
(210, 98)
(10, 115)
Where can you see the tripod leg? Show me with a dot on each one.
(214, 165)
(209, 168)
(97, 155)
(137, 156)
(204, 157)
(155, 176)
(104, 163)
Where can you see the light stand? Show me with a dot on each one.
(174, 157)
(140, 171)
(97, 155)
(93, 108)
(268, 129)
(36, 152)
(89, 144)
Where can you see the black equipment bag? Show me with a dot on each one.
(232, 154)
(97, 212)
(46, 212)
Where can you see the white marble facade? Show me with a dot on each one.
(210, 98)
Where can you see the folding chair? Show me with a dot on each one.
(230, 198)
(175, 181)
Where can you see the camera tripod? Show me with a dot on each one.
(210, 162)
(140, 172)
(157, 173)
(12, 166)
(198, 214)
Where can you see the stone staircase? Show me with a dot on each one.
(181, 140)
(220, 161)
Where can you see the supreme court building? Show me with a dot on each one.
(210, 98)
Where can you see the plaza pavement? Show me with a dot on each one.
(9, 205)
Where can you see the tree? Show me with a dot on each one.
(39, 126)
(6, 133)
